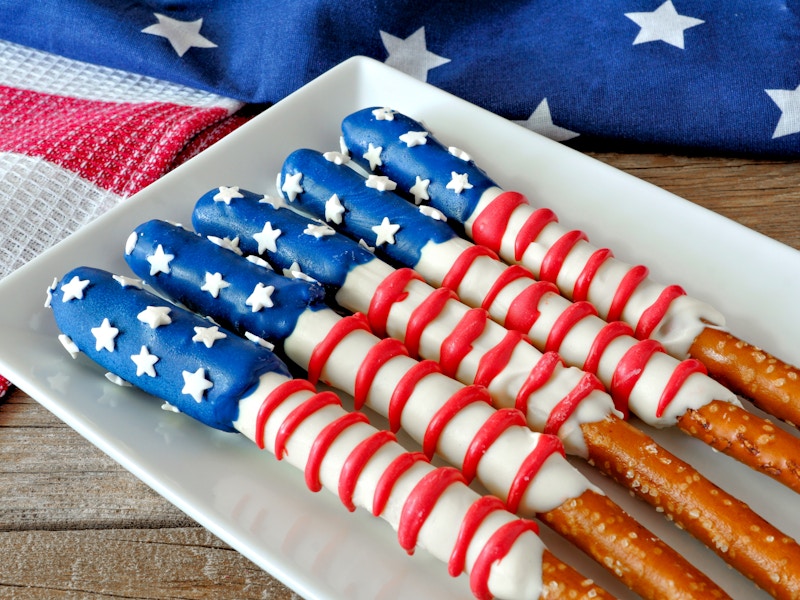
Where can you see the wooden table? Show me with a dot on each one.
(74, 524)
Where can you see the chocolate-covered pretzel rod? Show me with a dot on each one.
(355, 276)
(235, 385)
(526, 470)
(504, 221)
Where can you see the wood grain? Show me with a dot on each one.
(73, 524)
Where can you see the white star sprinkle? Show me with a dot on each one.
(73, 290)
(155, 316)
(226, 194)
(459, 153)
(383, 114)
(541, 122)
(159, 261)
(257, 260)
(293, 270)
(459, 182)
(337, 158)
(169, 408)
(227, 243)
(195, 384)
(208, 335)
(319, 230)
(127, 281)
(275, 202)
(362, 242)
(381, 183)
(214, 283)
(261, 297)
(260, 341)
(789, 103)
(663, 24)
(414, 138)
(69, 345)
(267, 238)
(433, 213)
(334, 210)
(104, 336)
(117, 380)
(145, 362)
(130, 243)
(420, 190)
(385, 232)
(411, 55)
(373, 155)
(182, 35)
(50, 289)
(291, 186)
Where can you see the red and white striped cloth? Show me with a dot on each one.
(76, 139)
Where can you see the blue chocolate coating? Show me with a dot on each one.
(365, 207)
(327, 259)
(195, 257)
(232, 364)
(403, 164)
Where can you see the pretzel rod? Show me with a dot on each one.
(234, 385)
(355, 276)
(504, 221)
(528, 471)
(639, 376)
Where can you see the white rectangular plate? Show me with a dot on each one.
(260, 506)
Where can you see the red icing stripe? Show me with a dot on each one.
(476, 514)
(497, 358)
(390, 290)
(568, 319)
(459, 343)
(423, 315)
(625, 290)
(629, 370)
(581, 289)
(523, 312)
(508, 275)
(491, 224)
(540, 374)
(557, 253)
(531, 229)
(405, 387)
(323, 350)
(547, 445)
(462, 398)
(377, 356)
(298, 415)
(567, 405)
(421, 501)
(607, 334)
(322, 444)
(676, 380)
(389, 477)
(498, 546)
(500, 421)
(455, 275)
(655, 312)
(356, 461)
(274, 399)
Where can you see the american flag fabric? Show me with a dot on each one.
(99, 98)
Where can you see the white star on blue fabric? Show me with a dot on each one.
(789, 103)
(214, 283)
(411, 55)
(104, 336)
(226, 194)
(159, 261)
(182, 35)
(155, 316)
(73, 289)
(145, 362)
(261, 297)
(267, 238)
(664, 24)
(334, 210)
(385, 232)
(541, 122)
(195, 384)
